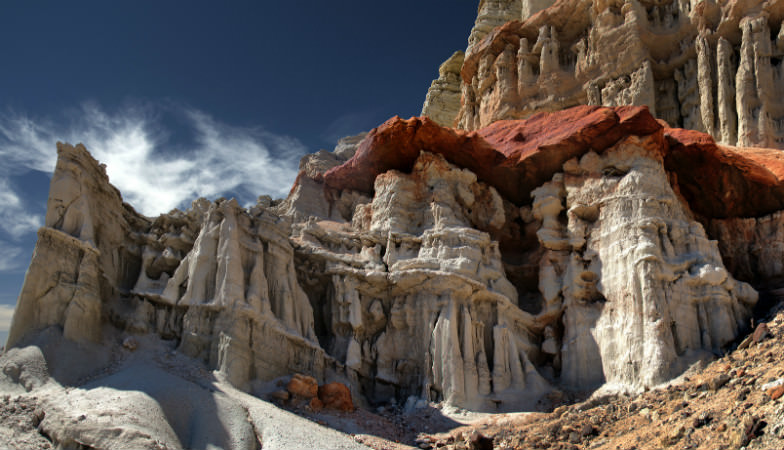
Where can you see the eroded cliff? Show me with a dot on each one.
(516, 246)
(484, 269)
(707, 66)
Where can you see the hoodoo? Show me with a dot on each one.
(591, 202)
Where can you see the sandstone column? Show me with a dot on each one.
(764, 78)
(728, 123)
(525, 73)
(505, 73)
(746, 100)
(705, 83)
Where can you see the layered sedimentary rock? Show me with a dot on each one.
(642, 286)
(415, 298)
(517, 156)
(83, 253)
(665, 279)
(724, 182)
(494, 13)
(217, 278)
(308, 197)
(442, 103)
(753, 248)
(443, 99)
(482, 268)
(707, 66)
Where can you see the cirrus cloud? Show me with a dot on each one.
(9, 256)
(6, 313)
(154, 174)
(15, 219)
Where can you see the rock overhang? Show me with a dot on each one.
(516, 156)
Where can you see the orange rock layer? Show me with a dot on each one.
(516, 156)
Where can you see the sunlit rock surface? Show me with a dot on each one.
(491, 266)
(442, 103)
(706, 66)
(481, 268)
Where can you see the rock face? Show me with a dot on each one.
(574, 324)
(417, 295)
(529, 251)
(514, 156)
(83, 253)
(308, 198)
(640, 284)
(442, 103)
(711, 67)
(217, 278)
(443, 100)
(724, 182)
(517, 156)
(483, 269)
(753, 248)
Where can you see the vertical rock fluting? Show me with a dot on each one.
(725, 61)
(442, 102)
(426, 309)
(644, 291)
(631, 288)
(493, 13)
(218, 278)
(728, 117)
(85, 252)
(245, 314)
(706, 83)
(482, 269)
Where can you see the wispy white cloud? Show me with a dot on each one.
(8, 256)
(154, 174)
(252, 160)
(14, 216)
(6, 313)
(25, 144)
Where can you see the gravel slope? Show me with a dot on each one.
(148, 398)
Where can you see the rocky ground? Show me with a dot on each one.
(149, 397)
(19, 419)
(734, 402)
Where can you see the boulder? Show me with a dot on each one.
(336, 396)
(303, 386)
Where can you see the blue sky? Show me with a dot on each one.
(198, 98)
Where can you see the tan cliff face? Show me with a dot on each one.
(442, 103)
(708, 66)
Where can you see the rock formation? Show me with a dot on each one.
(443, 97)
(577, 272)
(709, 66)
(484, 268)
(546, 244)
(217, 278)
(641, 284)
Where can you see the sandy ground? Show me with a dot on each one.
(56, 393)
(152, 398)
